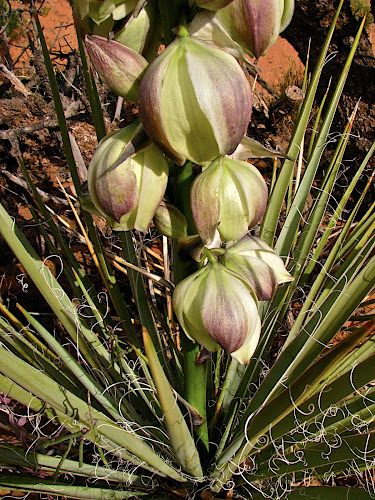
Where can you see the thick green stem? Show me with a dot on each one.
(195, 385)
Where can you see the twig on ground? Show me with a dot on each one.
(14, 80)
(45, 196)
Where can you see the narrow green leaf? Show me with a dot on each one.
(13, 456)
(46, 486)
(271, 217)
(82, 414)
(179, 434)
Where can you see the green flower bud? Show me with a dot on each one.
(215, 307)
(258, 264)
(212, 4)
(120, 67)
(142, 33)
(170, 221)
(86, 26)
(195, 101)
(230, 196)
(127, 188)
(101, 10)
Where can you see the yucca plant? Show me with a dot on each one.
(123, 401)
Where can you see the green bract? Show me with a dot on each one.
(120, 67)
(127, 192)
(258, 264)
(216, 307)
(230, 196)
(195, 101)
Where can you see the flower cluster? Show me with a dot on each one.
(195, 104)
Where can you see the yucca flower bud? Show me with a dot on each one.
(229, 196)
(120, 67)
(212, 4)
(101, 10)
(142, 33)
(258, 264)
(215, 307)
(195, 101)
(253, 25)
(127, 189)
(170, 221)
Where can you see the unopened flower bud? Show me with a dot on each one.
(230, 196)
(258, 264)
(254, 25)
(195, 101)
(127, 189)
(120, 67)
(170, 221)
(100, 11)
(215, 307)
(142, 33)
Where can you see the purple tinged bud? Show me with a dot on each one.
(215, 307)
(230, 196)
(120, 67)
(253, 25)
(195, 101)
(127, 191)
(258, 264)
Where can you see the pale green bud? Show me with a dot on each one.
(170, 221)
(101, 10)
(215, 307)
(195, 101)
(120, 67)
(142, 33)
(258, 264)
(126, 189)
(230, 196)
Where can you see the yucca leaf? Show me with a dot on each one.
(96, 423)
(271, 217)
(315, 455)
(13, 456)
(181, 440)
(47, 486)
(291, 224)
(323, 493)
